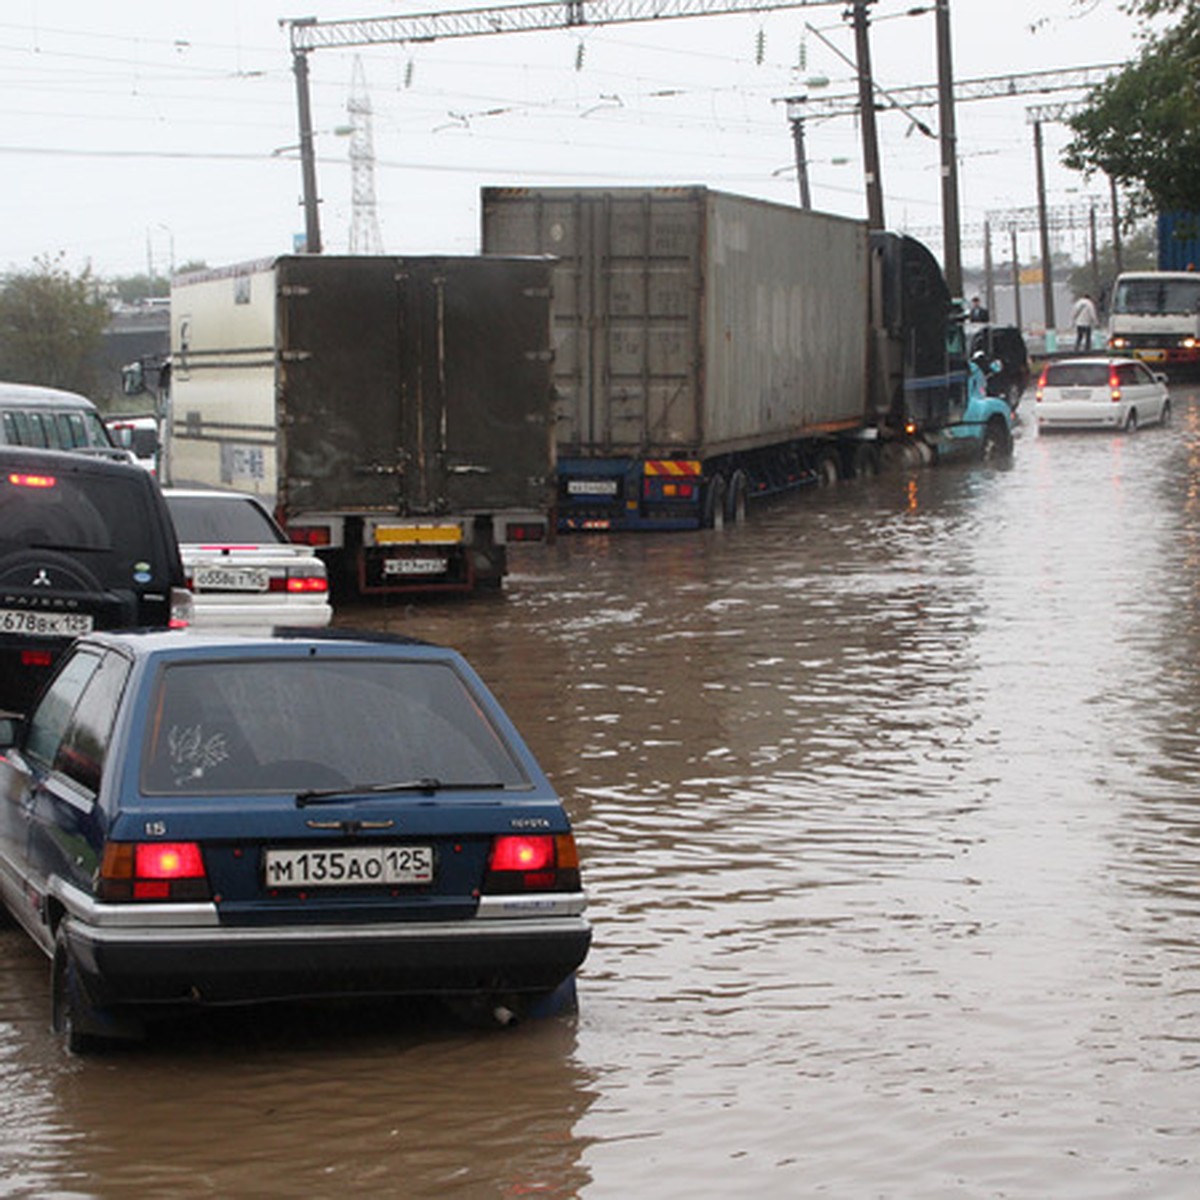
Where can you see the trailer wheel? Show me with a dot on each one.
(829, 469)
(735, 500)
(866, 461)
(714, 503)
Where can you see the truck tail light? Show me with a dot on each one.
(309, 535)
(132, 871)
(532, 863)
(24, 479)
(530, 531)
(37, 658)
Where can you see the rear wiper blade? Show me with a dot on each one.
(428, 784)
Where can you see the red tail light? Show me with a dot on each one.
(527, 532)
(22, 479)
(309, 535)
(37, 658)
(153, 871)
(1114, 387)
(533, 863)
(1041, 387)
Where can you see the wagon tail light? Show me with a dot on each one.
(1041, 387)
(153, 871)
(300, 583)
(532, 863)
(1114, 387)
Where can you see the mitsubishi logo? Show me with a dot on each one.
(41, 579)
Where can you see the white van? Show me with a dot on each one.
(49, 419)
(138, 435)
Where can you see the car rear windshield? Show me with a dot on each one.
(265, 724)
(103, 520)
(223, 520)
(1077, 375)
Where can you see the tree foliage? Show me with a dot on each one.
(1142, 126)
(51, 327)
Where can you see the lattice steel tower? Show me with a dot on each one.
(364, 219)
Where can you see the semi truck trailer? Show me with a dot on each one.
(711, 349)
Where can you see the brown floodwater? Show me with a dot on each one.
(890, 816)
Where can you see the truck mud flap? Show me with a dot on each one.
(402, 569)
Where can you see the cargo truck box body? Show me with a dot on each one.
(1155, 316)
(394, 411)
(704, 343)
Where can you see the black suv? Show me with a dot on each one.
(85, 543)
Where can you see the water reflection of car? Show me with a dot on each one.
(190, 821)
(244, 574)
(1101, 393)
(85, 543)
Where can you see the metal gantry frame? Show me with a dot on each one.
(307, 34)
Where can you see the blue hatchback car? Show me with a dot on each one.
(201, 821)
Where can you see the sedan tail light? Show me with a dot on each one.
(153, 871)
(532, 863)
(1041, 387)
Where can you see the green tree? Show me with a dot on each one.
(51, 326)
(1142, 126)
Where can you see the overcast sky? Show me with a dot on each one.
(137, 134)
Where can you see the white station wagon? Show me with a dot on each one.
(1101, 393)
(244, 574)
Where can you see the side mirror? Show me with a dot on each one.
(11, 727)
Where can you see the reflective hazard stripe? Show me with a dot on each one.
(673, 467)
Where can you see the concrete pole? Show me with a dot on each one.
(1047, 270)
(951, 233)
(308, 161)
(866, 104)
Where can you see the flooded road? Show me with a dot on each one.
(889, 811)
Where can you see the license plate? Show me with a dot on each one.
(19, 620)
(591, 487)
(1077, 393)
(414, 566)
(1151, 355)
(230, 579)
(349, 866)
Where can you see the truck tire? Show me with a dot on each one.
(996, 445)
(866, 461)
(829, 468)
(735, 499)
(715, 492)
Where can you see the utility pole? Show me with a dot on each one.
(1047, 272)
(866, 104)
(801, 161)
(1116, 226)
(951, 235)
(308, 159)
(1016, 279)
